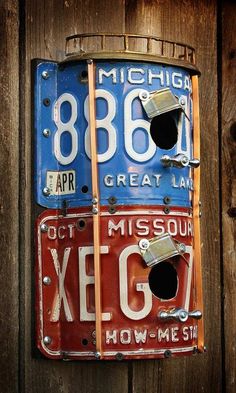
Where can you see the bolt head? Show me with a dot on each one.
(97, 355)
(94, 201)
(144, 244)
(182, 247)
(45, 75)
(43, 228)
(95, 210)
(47, 340)
(46, 132)
(183, 316)
(47, 280)
(182, 102)
(167, 353)
(46, 191)
(167, 200)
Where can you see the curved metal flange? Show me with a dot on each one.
(130, 47)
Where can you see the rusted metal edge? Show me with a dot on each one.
(186, 58)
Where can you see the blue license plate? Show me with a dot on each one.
(130, 144)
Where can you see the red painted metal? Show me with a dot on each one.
(66, 309)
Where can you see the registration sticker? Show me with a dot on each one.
(61, 182)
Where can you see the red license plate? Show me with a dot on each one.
(133, 295)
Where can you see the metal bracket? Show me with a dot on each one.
(179, 314)
(179, 161)
(161, 248)
(161, 101)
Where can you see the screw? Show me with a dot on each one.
(182, 247)
(205, 348)
(44, 228)
(47, 280)
(182, 102)
(166, 210)
(167, 353)
(97, 355)
(95, 210)
(94, 201)
(119, 356)
(46, 132)
(195, 350)
(183, 316)
(167, 200)
(47, 340)
(144, 95)
(112, 209)
(45, 75)
(46, 102)
(112, 200)
(46, 191)
(144, 244)
(90, 61)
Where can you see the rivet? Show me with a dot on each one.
(46, 132)
(43, 228)
(90, 61)
(45, 75)
(46, 191)
(167, 200)
(97, 355)
(95, 210)
(167, 353)
(144, 244)
(47, 280)
(94, 201)
(205, 348)
(47, 340)
(182, 102)
(119, 356)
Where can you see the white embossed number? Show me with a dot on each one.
(62, 127)
(132, 125)
(105, 123)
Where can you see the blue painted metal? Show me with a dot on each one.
(131, 181)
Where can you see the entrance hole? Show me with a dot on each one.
(163, 280)
(164, 131)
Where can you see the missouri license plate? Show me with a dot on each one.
(133, 294)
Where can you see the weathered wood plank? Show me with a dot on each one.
(228, 182)
(9, 194)
(47, 23)
(194, 23)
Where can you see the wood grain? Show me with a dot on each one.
(228, 184)
(194, 23)
(47, 23)
(9, 195)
